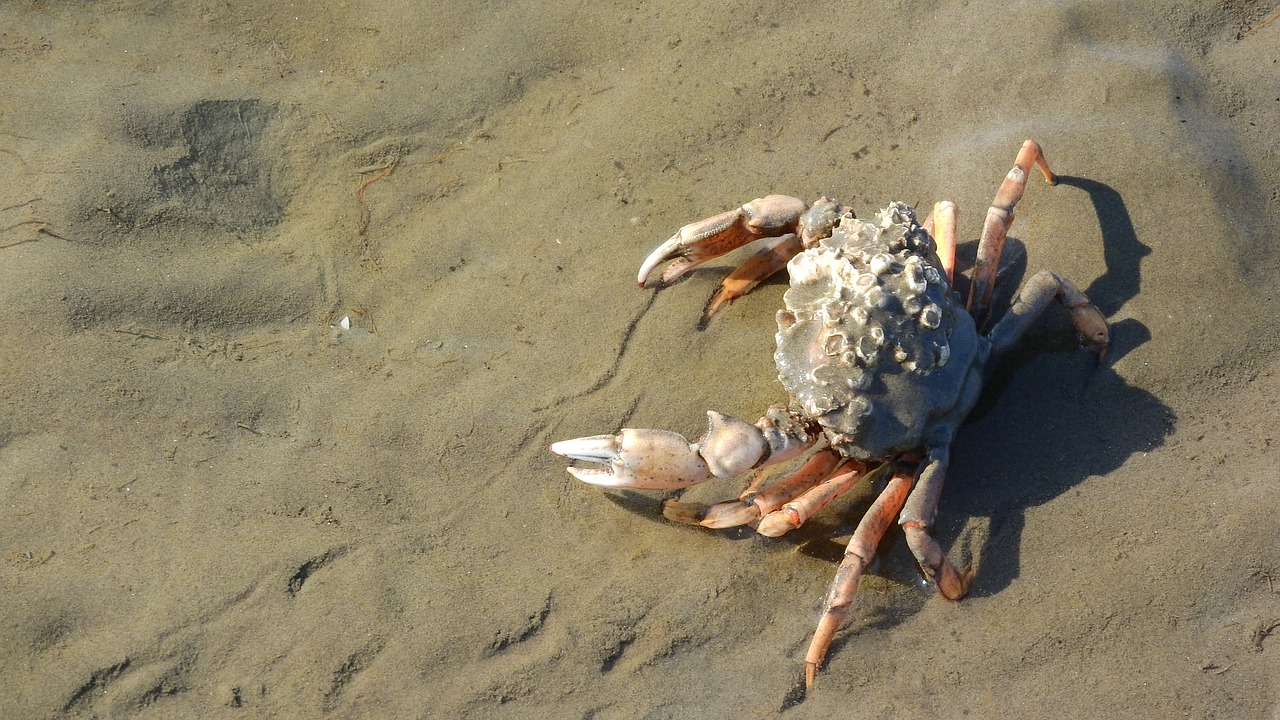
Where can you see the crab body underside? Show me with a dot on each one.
(881, 359)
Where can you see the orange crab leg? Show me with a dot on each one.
(1034, 297)
(916, 518)
(858, 555)
(771, 258)
(943, 229)
(795, 513)
(756, 502)
(816, 469)
(996, 227)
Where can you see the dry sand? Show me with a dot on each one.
(216, 503)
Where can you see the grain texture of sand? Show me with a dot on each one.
(294, 299)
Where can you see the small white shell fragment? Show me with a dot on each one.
(835, 344)
(915, 275)
(812, 407)
(345, 322)
(804, 269)
(931, 316)
(855, 377)
(868, 351)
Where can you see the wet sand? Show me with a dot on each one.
(295, 300)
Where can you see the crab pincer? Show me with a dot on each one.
(772, 216)
(646, 459)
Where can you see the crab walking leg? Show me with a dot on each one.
(818, 468)
(695, 243)
(944, 236)
(999, 219)
(857, 556)
(794, 514)
(917, 516)
(773, 257)
(664, 460)
(1034, 297)
(755, 501)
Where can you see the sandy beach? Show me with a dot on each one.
(295, 298)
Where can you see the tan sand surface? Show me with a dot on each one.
(218, 502)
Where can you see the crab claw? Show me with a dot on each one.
(642, 459)
(664, 460)
(695, 243)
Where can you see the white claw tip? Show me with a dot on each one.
(594, 476)
(595, 448)
(669, 250)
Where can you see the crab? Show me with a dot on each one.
(881, 359)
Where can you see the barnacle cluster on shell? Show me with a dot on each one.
(866, 300)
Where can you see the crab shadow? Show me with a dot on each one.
(1051, 416)
(1048, 422)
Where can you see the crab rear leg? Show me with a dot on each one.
(1034, 297)
(695, 243)
(795, 513)
(857, 556)
(914, 507)
(783, 506)
(917, 516)
(996, 227)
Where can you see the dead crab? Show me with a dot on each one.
(880, 358)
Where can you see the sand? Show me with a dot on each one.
(294, 299)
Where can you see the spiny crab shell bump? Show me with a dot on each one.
(869, 332)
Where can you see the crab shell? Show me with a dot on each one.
(873, 344)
